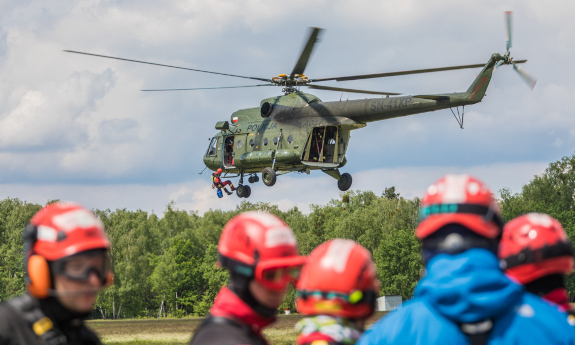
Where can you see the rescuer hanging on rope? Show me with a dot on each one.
(217, 183)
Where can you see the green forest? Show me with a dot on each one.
(166, 266)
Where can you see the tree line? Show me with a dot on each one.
(166, 266)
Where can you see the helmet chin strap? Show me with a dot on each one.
(240, 285)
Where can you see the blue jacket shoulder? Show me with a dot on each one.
(414, 323)
(533, 321)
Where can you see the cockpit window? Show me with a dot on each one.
(213, 147)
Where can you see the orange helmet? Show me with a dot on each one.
(219, 171)
(261, 246)
(339, 279)
(534, 245)
(56, 232)
(459, 199)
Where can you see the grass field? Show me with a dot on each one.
(179, 331)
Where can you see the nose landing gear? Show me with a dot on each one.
(243, 191)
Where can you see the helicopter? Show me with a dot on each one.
(298, 132)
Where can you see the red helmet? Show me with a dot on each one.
(459, 199)
(219, 171)
(66, 229)
(57, 231)
(534, 245)
(338, 279)
(261, 246)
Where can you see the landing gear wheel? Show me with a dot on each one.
(344, 182)
(253, 179)
(243, 191)
(269, 177)
(249, 192)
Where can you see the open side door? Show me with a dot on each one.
(326, 145)
(228, 160)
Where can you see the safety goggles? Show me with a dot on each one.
(488, 214)
(79, 267)
(276, 276)
(355, 297)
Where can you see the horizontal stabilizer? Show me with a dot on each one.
(433, 97)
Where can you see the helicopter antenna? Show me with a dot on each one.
(201, 172)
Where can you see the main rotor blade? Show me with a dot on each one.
(329, 88)
(211, 88)
(508, 17)
(528, 78)
(159, 64)
(306, 53)
(391, 74)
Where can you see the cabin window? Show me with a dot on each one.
(290, 139)
(212, 148)
(252, 142)
(276, 140)
(239, 144)
(265, 141)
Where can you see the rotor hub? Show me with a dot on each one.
(290, 84)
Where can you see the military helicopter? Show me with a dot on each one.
(297, 132)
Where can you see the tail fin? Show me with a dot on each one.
(477, 89)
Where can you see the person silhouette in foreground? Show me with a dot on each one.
(337, 289)
(464, 297)
(261, 254)
(536, 252)
(66, 264)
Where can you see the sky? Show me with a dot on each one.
(78, 128)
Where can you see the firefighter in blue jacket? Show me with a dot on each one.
(464, 297)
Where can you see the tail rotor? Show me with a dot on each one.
(507, 59)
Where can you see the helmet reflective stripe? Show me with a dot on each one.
(337, 255)
(46, 233)
(80, 218)
(454, 186)
(279, 237)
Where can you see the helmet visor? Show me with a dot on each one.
(79, 267)
(277, 274)
(279, 278)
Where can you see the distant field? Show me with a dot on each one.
(179, 331)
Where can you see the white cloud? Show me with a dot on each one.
(77, 124)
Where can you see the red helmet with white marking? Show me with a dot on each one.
(219, 171)
(64, 229)
(463, 200)
(338, 279)
(535, 245)
(260, 245)
(56, 234)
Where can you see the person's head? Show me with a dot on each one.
(458, 212)
(339, 279)
(66, 256)
(261, 253)
(219, 171)
(534, 246)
